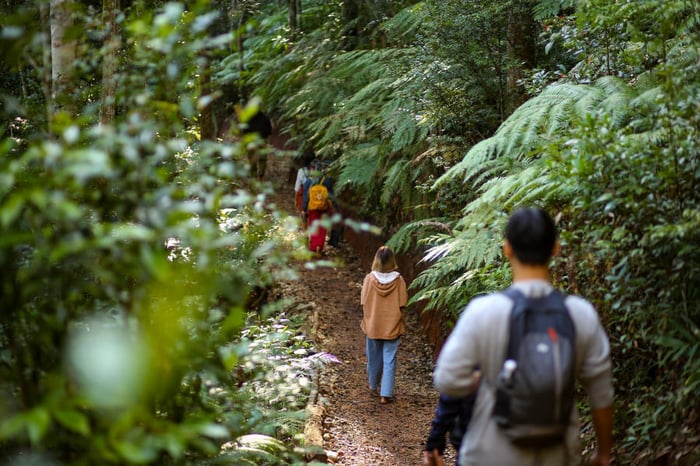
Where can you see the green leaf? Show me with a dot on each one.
(11, 209)
(138, 453)
(229, 358)
(73, 420)
(246, 113)
(132, 232)
(213, 430)
(11, 427)
(37, 423)
(174, 444)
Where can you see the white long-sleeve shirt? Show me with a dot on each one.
(480, 338)
(302, 175)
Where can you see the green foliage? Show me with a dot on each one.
(128, 252)
(346, 102)
(547, 8)
(617, 162)
(403, 103)
(413, 113)
(642, 205)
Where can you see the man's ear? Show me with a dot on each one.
(507, 249)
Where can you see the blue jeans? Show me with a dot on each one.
(381, 363)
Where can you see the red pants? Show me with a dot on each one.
(317, 233)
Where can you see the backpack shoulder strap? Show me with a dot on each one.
(514, 328)
(521, 318)
(513, 293)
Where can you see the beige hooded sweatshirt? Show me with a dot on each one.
(383, 298)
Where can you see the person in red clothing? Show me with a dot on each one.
(383, 299)
(317, 231)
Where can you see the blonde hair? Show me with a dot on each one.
(384, 260)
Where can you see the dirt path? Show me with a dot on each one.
(355, 426)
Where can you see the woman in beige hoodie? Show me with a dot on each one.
(383, 300)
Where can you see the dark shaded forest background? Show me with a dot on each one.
(131, 223)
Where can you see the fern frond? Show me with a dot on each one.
(406, 236)
(647, 98)
(254, 449)
(358, 167)
(450, 282)
(544, 9)
(400, 123)
(372, 94)
(396, 177)
(362, 66)
(546, 115)
(403, 26)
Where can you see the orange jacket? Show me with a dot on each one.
(382, 305)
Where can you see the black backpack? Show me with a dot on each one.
(535, 390)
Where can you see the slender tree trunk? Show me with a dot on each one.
(521, 50)
(110, 8)
(63, 55)
(292, 16)
(206, 120)
(45, 21)
(298, 8)
(350, 13)
(237, 23)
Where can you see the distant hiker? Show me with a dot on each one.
(483, 337)
(317, 201)
(302, 175)
(383, 299)
(260, 124)
(451, 419)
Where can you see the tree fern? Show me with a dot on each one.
(404, 238)
(406, 24)
(396, 177)
(358, 167)
(507, 171)
(547, 8)
(543, 117)
(398, 120)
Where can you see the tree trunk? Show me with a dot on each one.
(206, 120)
(110, 8)
(45, 21)
(292, 16)
(521, 50)
(350, 13)
(63, 55)
(238, 19)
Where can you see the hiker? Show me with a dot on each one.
(302, 175)
(451, 418)
(260, 124)
(383, 299)
(482, 336)
(317, 202)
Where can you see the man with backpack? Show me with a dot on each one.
(530, 344)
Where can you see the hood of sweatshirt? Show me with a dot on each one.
(385, 282)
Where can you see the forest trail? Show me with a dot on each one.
(356, 428)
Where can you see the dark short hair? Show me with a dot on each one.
(532, 234)
(307, 157)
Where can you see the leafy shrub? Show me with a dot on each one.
(128, 252)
